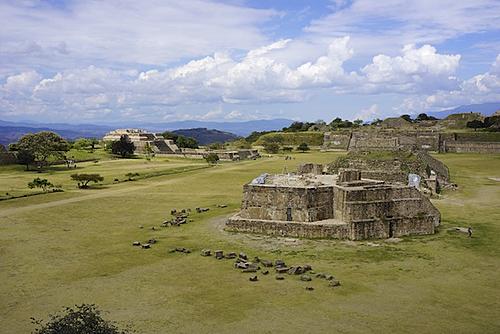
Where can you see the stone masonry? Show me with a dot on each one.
(343, 206)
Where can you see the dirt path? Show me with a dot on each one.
(113, 192)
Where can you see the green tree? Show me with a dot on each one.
(82, 319)
(271, 147)
(407, 118)
(84, 179)
(287, 149)
(148, 150)
(43, 184)
(303, 147)
(357, 123)
(123, 147)
(25, 158)
(475, 124)
(186, 142)
(212, 158)
(424, 117)
(42, 146)
(216, 146)
(170, 135)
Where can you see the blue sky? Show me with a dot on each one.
(92, 61)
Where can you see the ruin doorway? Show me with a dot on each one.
(289, 214)
(391, 229)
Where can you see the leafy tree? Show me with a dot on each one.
(44, 184)
(303, 147)
(42, 146)
(357, 123)
(475, 124)
(424, 117)
(170, 135)
(85, 144)
(298, 126)
(287, 149)
(148, 150)
(212, 158)
(376, 121)
(25, 158)
(82, 319)
(186, 142)
(339, 123)
(271, 147)
(123, 147)
(407, 118)
(84, 179)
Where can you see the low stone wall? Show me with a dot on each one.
(471, 147)
(392, 227)
(289, 229)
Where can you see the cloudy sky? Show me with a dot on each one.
(165, 60)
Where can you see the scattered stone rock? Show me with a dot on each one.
(173, 250)
(219, 254)
(320, 275)
(253, 279)
(305, 278)
(256, 259)
(231, 255)
(206, 252)
(140, 226)
(173, 212)
(329, 277)
(222, 206)
(280, 277)
(334, 283)
(279, 263)
(296, 270)
(307, 267)
(200, 210)
(187, 251)
(249, 269)
(282, 270)
(243, 256)
(146, 246)
(136, 243)
(152, 241)
(309, 288)
(266, 263)
(265, 272)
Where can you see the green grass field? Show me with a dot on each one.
(75, 247)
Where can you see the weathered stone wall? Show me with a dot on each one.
(392, 227)
(316, 169)
(436, 165)
(272, 202)
(382, 203)
(290, 229)
(336, 141)
(470, 147)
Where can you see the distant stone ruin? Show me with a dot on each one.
(340, 206)
(141, 139)
(159, 145)
(433, 140)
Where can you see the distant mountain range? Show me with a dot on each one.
(11, 131)
(205, 136)
(487, 109)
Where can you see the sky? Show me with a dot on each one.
(159, 61)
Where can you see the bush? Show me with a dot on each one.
(82, 319)
(84, 179)
(212, 158)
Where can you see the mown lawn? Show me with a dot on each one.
(57, 250)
